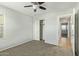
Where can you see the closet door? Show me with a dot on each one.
(77, 33)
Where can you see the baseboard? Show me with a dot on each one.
(14, 45)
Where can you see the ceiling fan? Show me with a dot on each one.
(36, 5)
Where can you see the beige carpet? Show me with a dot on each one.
(36, 48)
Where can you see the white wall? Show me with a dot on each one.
(51, 26)
(17, 28)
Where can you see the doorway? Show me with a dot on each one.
(65, 32)
(41, 30)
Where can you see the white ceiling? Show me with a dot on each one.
(51, 6)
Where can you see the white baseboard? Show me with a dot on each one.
(14, 45)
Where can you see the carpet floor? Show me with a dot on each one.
(36, 48)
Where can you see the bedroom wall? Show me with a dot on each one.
(17, 28)
(51, 26)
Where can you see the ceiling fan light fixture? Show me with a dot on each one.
(35, 6)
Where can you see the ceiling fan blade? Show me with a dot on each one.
(41, 7)
(35, 3)
(41, 3)
(28, 6)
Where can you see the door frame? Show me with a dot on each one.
(73, 31)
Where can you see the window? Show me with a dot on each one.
(1, 26)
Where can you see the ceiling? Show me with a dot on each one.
(51, 6)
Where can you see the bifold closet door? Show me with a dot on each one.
(77, 33)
